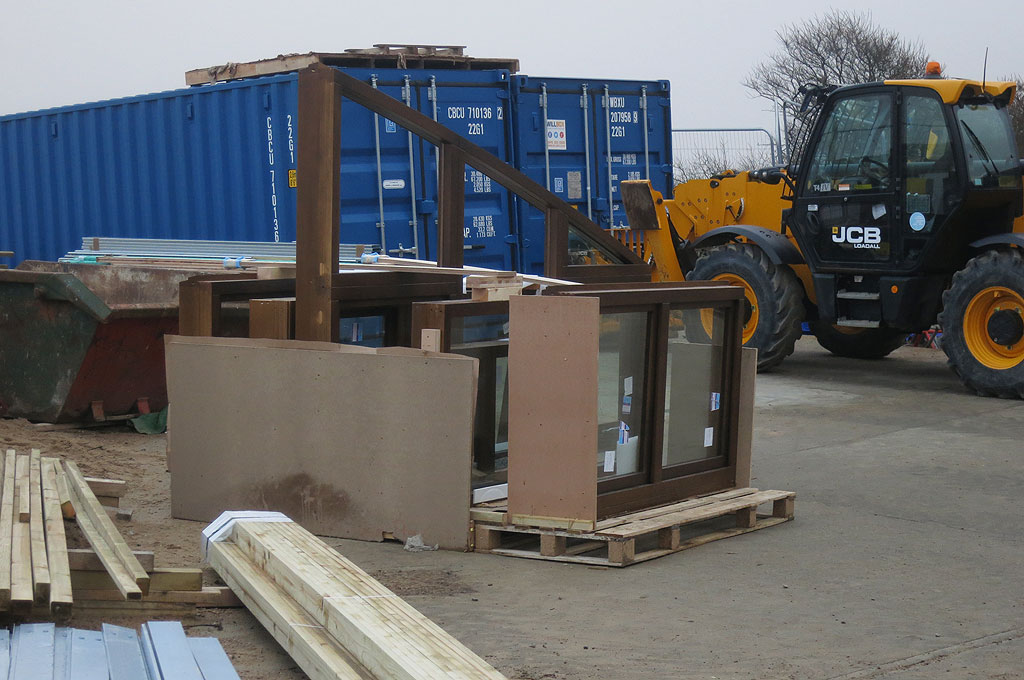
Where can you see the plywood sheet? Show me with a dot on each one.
(745, 426)
(347, 442)
(552, 367)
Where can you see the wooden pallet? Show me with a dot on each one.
(639, 536)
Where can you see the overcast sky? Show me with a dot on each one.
(58, 53)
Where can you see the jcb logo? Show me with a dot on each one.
(858, 237)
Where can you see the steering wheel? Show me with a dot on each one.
(873, 169)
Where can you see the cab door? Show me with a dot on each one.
(846, 207)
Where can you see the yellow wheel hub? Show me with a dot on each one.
(707, 316)
(992, 327)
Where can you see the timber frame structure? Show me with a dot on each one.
(321, 89)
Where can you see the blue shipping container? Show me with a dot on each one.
(217, 162)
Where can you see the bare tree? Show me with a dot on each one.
(705, 163)
(1016, 111)
(839, 48)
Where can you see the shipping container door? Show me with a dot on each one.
(381, 176)
(475, 105)
(564, 127)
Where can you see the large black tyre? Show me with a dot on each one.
(982, 323)
(858, 343)
(773, 292)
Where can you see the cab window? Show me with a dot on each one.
(930, 165)
(855, 149)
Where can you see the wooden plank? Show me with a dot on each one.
(56, 543)
(195, 309)
(695, 514)
(105, 539)
(85, 559)
(88, 655)
(161, 579)
(6, 527)
(209, 596)
(674, 507)
(67, 508)
(24, 496)
(315, 651)
(552, 469)
(114, 488)
(21, 542)
(173, 655)
(211, 658)
(37, 532)
(272, 318)
(127, 586)
(388, 636)
(484, 515)
(318, 204)
(235, 410)
(551, 522)
(622, 552)
(746, 517)
(124, 656)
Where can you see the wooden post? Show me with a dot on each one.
(451, 207)
(556, 243)
(196, 315)
(318, 210)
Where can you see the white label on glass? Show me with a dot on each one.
(609, 461)
(709, 436)
(878, 210)
(917, 221)
(627, 385)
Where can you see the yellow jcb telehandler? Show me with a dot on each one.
(901, 212)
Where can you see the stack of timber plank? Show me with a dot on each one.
(160, 652)
(40, 575)
(334, 619)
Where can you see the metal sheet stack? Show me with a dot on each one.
(334, 619)
(160, 652)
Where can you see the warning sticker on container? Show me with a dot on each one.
(393, 183)
(574, 179)
(556, 135)
(293, 179)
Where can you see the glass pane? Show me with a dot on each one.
(931, 171)
(620, 388)
(486, 338)
(853, 153)
(693, 386)
(584, 250)
(988, 141)
(367, 331)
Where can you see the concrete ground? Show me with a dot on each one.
(904, 560)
